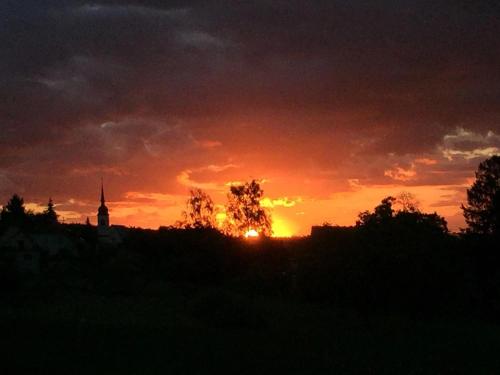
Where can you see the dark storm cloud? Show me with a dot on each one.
(410, 71)
(398, 57)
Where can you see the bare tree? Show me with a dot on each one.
(407, 201)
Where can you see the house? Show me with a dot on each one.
(25, 249)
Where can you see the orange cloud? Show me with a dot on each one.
(426, 161)
(401, 174)
(283, 202)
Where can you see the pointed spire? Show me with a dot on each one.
(102, 193)
(102, 212)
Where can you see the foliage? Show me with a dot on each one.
(49, 214)
(482, 212)
(244, 211)
(200, 212)
(385, 217)
(14, 212)
(382, 213)
(407, 201)
(15, 206)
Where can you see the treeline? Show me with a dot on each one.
(396, 259)
(243, 213)
(398, 265)
(15, 214)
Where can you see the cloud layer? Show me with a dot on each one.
(320, 98)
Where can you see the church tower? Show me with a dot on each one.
(102, 213)
(106, 235)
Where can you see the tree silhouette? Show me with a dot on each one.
(407, 201)
(14, 211)
(50, 214)
(482, 212)
(382, 213)
(385, 217)
(200, 212)
(244, 212)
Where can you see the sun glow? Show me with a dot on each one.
(281, 228)
(252, 233)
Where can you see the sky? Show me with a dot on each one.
(332, 105)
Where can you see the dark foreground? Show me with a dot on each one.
(192, 330)
(195, 302)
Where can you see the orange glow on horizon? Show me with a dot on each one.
(252, 233)
(281, 228)
(292, 216)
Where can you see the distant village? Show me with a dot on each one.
(29, 245)
(31, 242)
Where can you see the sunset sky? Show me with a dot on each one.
(333, 105)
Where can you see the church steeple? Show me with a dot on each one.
(102, 194)
(102, 212)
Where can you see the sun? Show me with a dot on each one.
(252, 233)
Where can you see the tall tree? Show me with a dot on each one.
(50, 214)
(482, 212)
(244, 212)
(200, 211)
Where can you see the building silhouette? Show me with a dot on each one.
(102, 212)
(107, 234)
